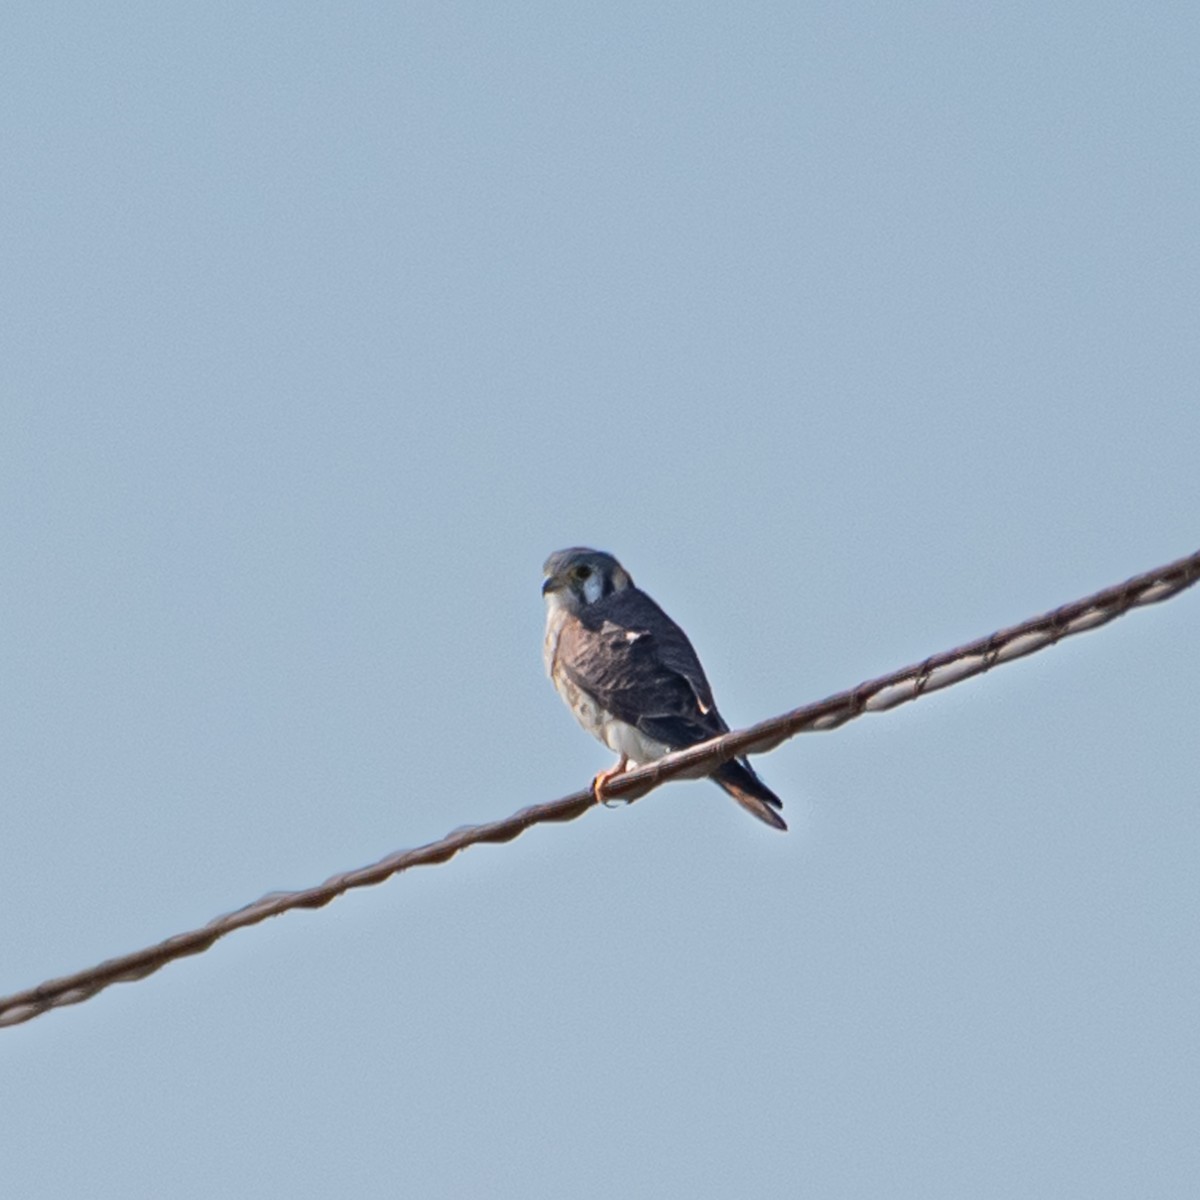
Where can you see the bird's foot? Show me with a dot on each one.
(601, 780)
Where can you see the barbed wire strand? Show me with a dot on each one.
(877, 695)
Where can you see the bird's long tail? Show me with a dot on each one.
(737, 777)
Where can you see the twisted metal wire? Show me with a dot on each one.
(877, 695)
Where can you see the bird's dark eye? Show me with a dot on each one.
(582, 573)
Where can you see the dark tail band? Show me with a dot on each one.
(739, 780)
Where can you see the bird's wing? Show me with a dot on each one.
(627, 654)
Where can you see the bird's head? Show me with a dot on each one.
(579, 576)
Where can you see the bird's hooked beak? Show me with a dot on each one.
(550, 584)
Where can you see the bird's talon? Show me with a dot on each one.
(601, 781)
(598, 791)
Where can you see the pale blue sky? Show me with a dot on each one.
(855, 331)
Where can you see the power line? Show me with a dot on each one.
(877, 695)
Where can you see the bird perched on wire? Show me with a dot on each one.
(630, 675)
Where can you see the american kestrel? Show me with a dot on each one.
(630, 675)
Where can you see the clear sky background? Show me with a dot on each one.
(855, 331)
